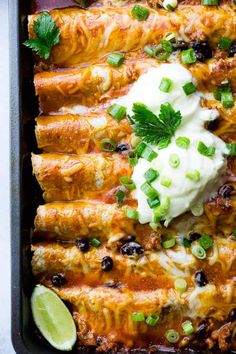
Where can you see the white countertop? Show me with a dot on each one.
(5, 321)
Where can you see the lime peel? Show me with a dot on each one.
(53, 318)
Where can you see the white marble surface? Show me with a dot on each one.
(5, 322)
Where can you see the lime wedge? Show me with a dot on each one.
(53, 318)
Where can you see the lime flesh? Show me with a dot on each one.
(53, 318)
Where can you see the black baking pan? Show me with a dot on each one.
(25, 193)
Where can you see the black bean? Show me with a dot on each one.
(202, 329)
(131, 249)
(180, 45)
(232, 50)
(129, 238)
(58, 279)
(122, 147)
(200, 278)
(212, 125)
(202, 50)
(82, 244)
(225, 190)
(232, 315)
(107, 264)
(193, 236)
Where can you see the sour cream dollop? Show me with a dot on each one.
(183, 192)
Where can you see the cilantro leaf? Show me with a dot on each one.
(152, 128)
(47, 36)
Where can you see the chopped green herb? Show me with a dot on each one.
(95, 242)
(138, 316)
(133, 158)
(210, 2)
(127, 182)
(168, 243)
(180, 285)
(166, 84)
(131, 213)
(166, 182)
(47, 36)
(187, 327)
(198, 251)
(139, 12)
(151, 175)
(227, 99)
(117, 111)
(163, 50)
(163, 143)
(174, 160)
(188, 56)
(232, 149)
(149, 191)
(108, 145)
(152, 320)
(120, 197)
(197, 209)
(205, 241)
(116, 59)
(208, 151)
(194, 175)
(182, 142)
(172, 336)
(154, 128)
(186, 242)
(153, 202)
(162, 209)
(225, 43)
(189, 88)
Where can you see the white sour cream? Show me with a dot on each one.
(183, 192)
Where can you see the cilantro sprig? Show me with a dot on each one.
(152, 128)
(47, 36)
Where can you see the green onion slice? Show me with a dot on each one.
(174, 160)
(163, 50)
(149, 50)
(225, 87)
(188, 56)
(180, 285)
(193, 175)
(162, 209)
(145, 151)
(186, 242)
(198, 251)
(116, 111)
(234, 233)
(189, 88)
(172, 336)
(139, 12)
(131, 213)
(166, 84)
(108, 145)
(95, 242)
(227, 99)
(138, 316)
(133, 158)
(120, 197)
(197, 209)
(187, 327)
(149, 191)
(163, 143)
(210, 2)
(152, 320)
(183, 142)
(205, 241)
(208, 151)
(116, 59)
(232, 149)
(151, 175)
(166, 182)
(127, 182)
(153, 202)
(135, 140)
(168, 243)
(225, 43)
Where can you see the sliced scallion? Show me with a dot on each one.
(188, 56)
(135, 140)
(153, 202)
(166, 182)
(133, 158)
(95, 242)
(198, 251)
(232, 149)
(163, 50)
(151, 175)
(174, 160)
(148, 190)
(116, 59)
(166, 84)
(208, 151)
(117, 111)
(131, 213)
(205, 241)
(149, 51)
(162, 209)
(193, 175)
(189, 88)
(149, 154)
(152, 320)
(120, 197)
(108, 145)
(210, 2)
(163, 143)
(139, 12)
(170, 5)
(172, 336)
(127, 182)
(168, 243)
(197, 209)
(183, 142)
(138, 316)
(180, 285)
(187, 327)
(225, 43)
(227, 99)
